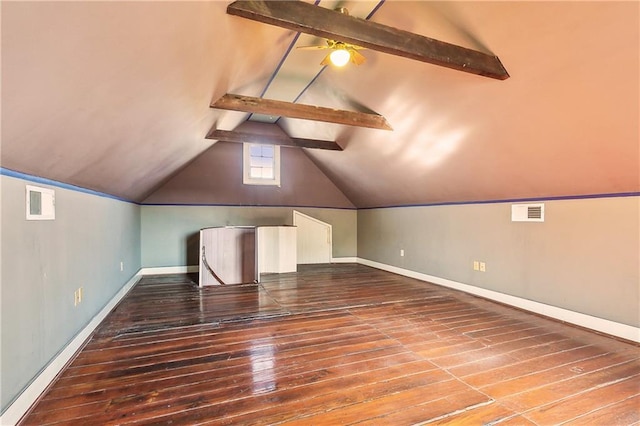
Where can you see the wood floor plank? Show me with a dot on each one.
(117, 378)
(625, 412)
(431, 410)
(363, 361)
(305, 408)
(373, 407)
(235, 387)
(160, 354)
(574, 406)
(483, 414)
(517, 421)
(547, 377)
(575, 385)
(444, 347)
(507, 325)
(503, 356)
(563, 354)
(355, 387)
(337, 344)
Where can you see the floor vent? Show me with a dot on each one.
(527, 212)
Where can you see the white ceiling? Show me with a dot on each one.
(114, 96)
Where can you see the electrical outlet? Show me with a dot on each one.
(476, 265)
(121, 266)
(401, 252)
(77, 296)
(483, 267)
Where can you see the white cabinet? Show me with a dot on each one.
(239, 254)
(227, 255)
(276, 249)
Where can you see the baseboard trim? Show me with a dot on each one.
(169, 270)
(601, 325)
(21, 405)
(344, 260)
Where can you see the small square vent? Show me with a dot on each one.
(527, 212)
(41, 203)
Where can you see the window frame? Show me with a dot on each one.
(246, 166)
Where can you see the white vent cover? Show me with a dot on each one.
(41, 203)
(527, 212)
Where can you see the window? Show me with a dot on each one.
(261, 164)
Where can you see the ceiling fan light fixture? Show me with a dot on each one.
(340, 57)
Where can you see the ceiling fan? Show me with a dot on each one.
(329, 24)
(341, 52)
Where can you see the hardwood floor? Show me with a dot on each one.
(338, 345)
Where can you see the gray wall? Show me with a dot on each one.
(584, 257)
(170, 233)
(215, 178)
(44, 262)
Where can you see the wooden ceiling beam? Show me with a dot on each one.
(270, 139)
(302, 111)
(321, 22)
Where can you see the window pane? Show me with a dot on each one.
(256, 151)
(261, 162)
(261, 173)
(256, 172)
(267, 173)
(267, 151)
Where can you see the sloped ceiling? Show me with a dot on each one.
(114, 96)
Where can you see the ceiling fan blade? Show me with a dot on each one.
(312, 47)
(356, 57)
(326, 60)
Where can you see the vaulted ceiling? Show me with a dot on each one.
(115, 97)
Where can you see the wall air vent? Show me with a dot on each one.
(41, 203)
(527, 212)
